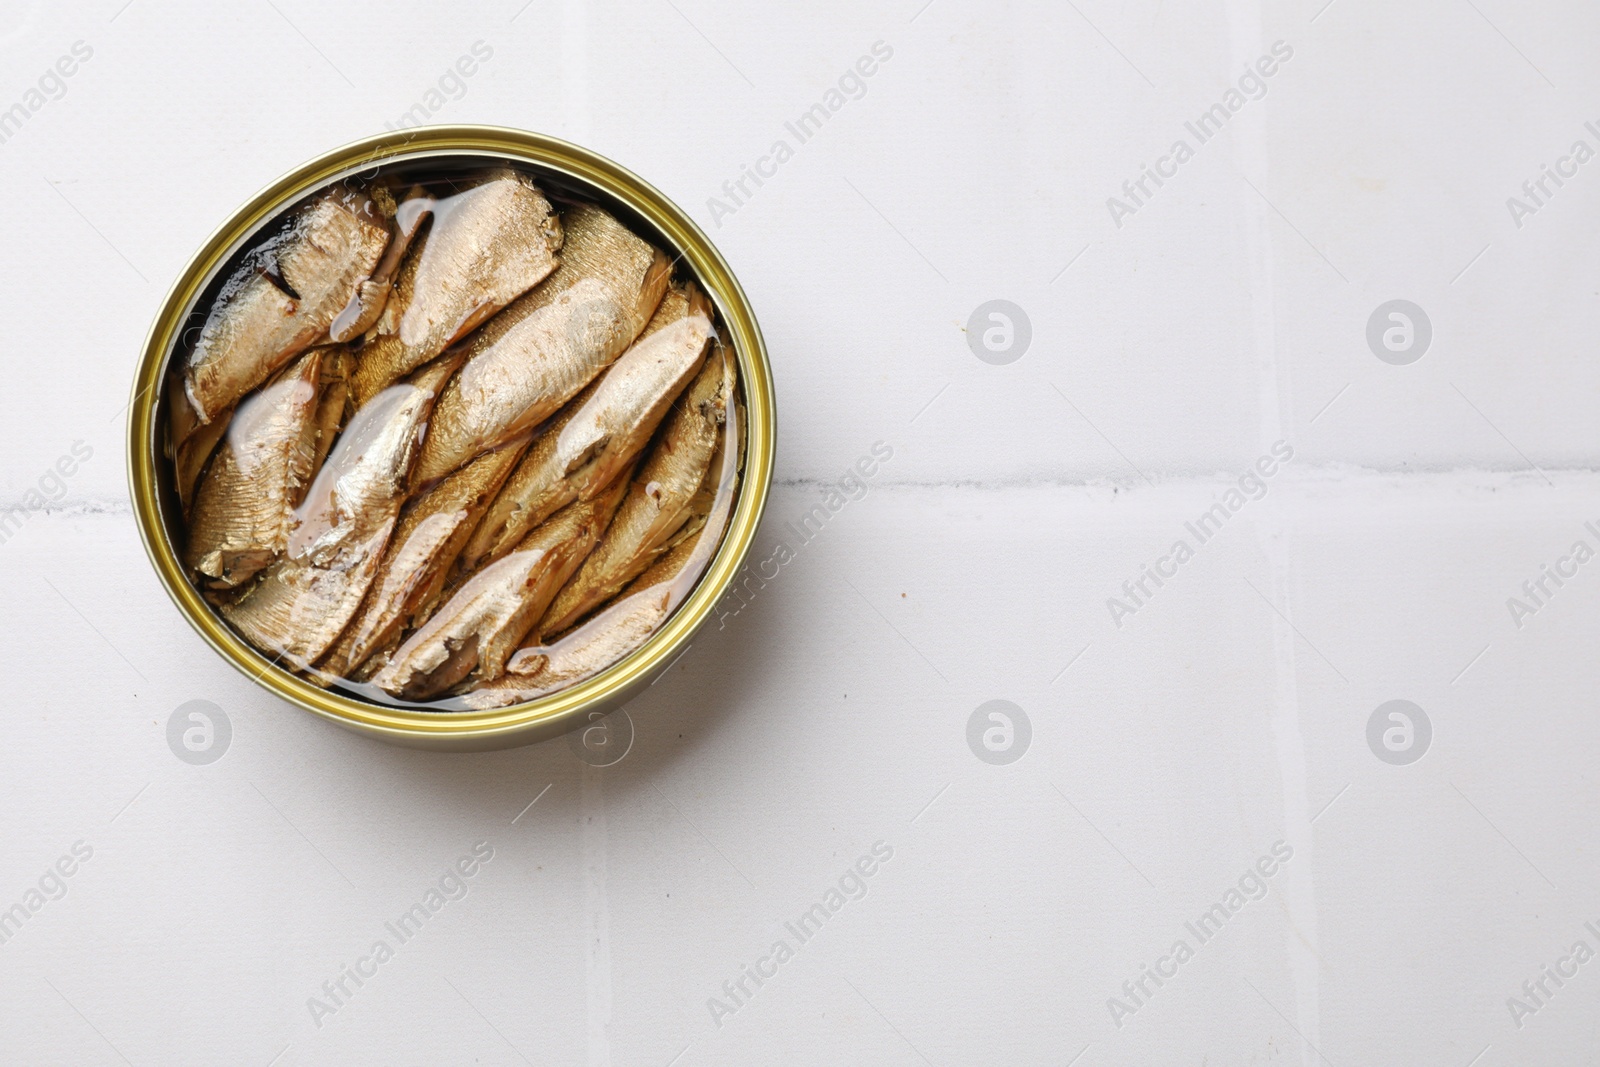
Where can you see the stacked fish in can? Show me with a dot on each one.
(449, 445)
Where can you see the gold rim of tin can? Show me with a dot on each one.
(519, 723)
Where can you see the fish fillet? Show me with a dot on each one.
(306, 598)
(372, 295)
(622, 627)
(190, 443)
(546, 346)
(591, 441)
(661, 500)
(244, 506)
(481, 249)
(482, 624)
(431, 532)
(259, 324)
(333, 402)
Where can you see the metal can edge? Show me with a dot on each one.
(521, 723)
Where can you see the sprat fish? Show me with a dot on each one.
(624, 625)
(478, 250)
(245, 504)
(662, 499)
(416, 562)
(586, 446)
(305, 599)
(270, 312)
(487, 617)
(547, 345)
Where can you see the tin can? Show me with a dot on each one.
(150, 475)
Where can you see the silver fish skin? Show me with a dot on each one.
(690, 552)
(597, 436)
(333, 401)
(431, 531)
(244, 506)
(538, 353)
(661, 499)
(372, 295)
(406, 559)
(189, 442)
(535, 491)
(305, 599)
(591, 648)
(487, 617)
(258, 325)
(477, 251)
(623, 626)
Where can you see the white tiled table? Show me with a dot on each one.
(1228, 712)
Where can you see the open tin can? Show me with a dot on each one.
(572, 171)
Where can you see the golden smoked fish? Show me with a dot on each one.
(589, 444)
(547, 345)
(482, 624)
(372, 295)
(190, 443)
(199, 442)
(431, 532)
(333, 401)
(245, 504)
(261, 321)
(591, 648)
(306, 598)
(662, 501)
(481, 249)
(623, 626)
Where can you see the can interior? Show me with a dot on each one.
(436, 170)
